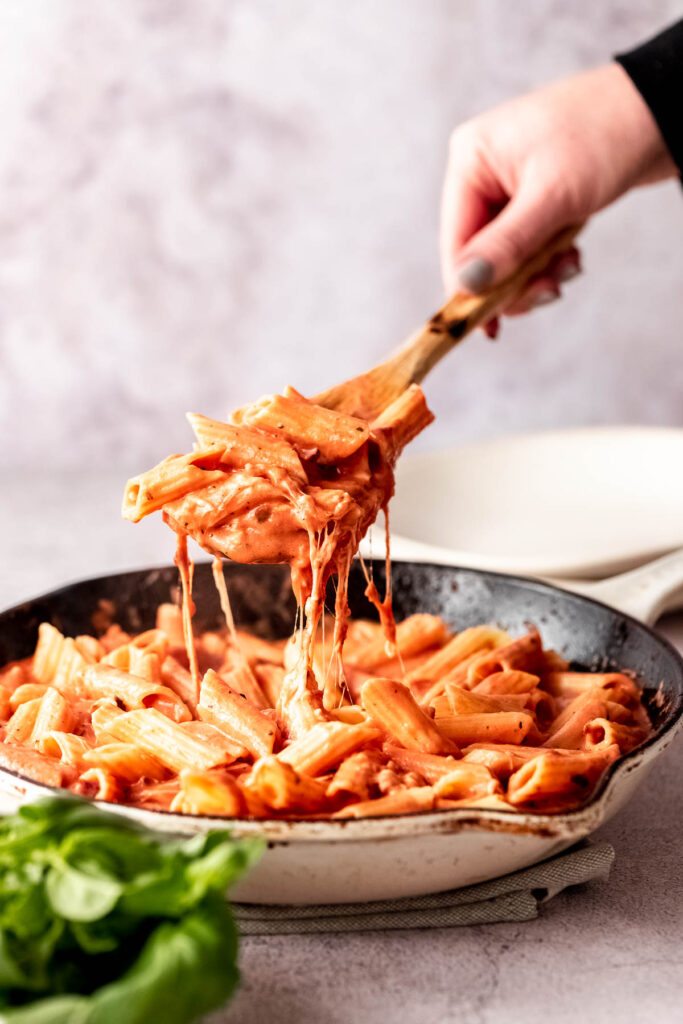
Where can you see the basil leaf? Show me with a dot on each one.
(77, 896)
(11, 973)
(123, 854)
(182, 882)
(186, 969)
(57, 1010)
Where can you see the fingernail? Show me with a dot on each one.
(491, 329)
(544, 298)
(567, 271)
(475, 275)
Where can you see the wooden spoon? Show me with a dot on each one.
(368, 394)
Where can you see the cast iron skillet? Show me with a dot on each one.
(337, 860)
(589, 634)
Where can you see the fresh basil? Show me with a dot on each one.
(105, 922)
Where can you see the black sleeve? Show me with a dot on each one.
(656, 69)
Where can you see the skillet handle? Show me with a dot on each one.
(645, 593)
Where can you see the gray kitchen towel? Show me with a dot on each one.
(514, 897)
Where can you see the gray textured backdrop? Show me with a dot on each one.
(203, 201)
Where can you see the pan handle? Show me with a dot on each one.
(645, 593)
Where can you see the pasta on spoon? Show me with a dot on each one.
(289, 481)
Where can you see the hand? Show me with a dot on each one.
(520, 173)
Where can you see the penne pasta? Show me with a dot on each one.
(11, 678)
(467, 781)
(306, 426)
(53, 714)
(98, 784)
(212, 652)
(70, 667)
(524, 654)
(404, 801)
(146, 665)
(601, 734)
(91, 648)
(154, 795)
(507, 681)
(325, 745)
(404, 418)
(431, 767)
(216, 737)
(241, 447)
(47, 653)
(177, 678)
(133, 692)
(428, 691)
(567, 729)
(258, 651)
(416, 634)
(124, 761)
(360, 632)
(169, 621)
(551, 776)
(151, 641)
(64, 746)
(458, 701)
(231, 711)
(169, 480)
(58, 661)
(542, 706)
(619, 713)
(158, 736)
(270, 678)
(502, 759)
(493, 802)
(242, 680)
(392, 706)
(300, 704)
(350, 714)
(356, 775)
(25, 693)
(253, 804)
(214, 792)
(572, 684)
(113, 637)
(493, 727)
(35, 765)
(20, 726)
(281, 788)
(471, 641)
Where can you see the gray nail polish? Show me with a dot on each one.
(476, 274)
(544, 298)
(567, 272)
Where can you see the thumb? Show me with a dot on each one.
(516, 234)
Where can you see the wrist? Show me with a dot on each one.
(655, 71)
(639, 132)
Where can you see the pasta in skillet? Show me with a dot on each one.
(386, 719)
(443, 721)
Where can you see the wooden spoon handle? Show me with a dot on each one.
(371, 392)
(463, 312)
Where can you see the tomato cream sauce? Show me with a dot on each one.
(286, 482)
